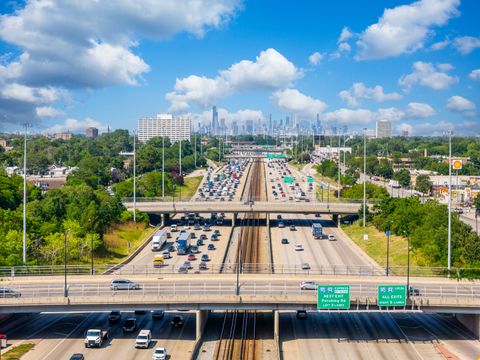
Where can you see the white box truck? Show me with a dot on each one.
(159, 239)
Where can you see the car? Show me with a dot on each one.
(211, 247)
(292, 228)
(331, 237)
(214, 237)
(130, 325)
(202, 266)
(114, 316)
(77, 356)
(140, 312)
(158, 314)
(203, 237)
(317, 215)
(160, 353)
(308, 285)
(183, 270)
(205, 257)
(298, 247)
(216, 232)
(284, 241)
(413, 291)
(197, 227)
(187, 264)
(177, 321)
(191, 257)
(301, 314)
(171, 248)
(124, 284)
(281, 224)
(305, 266)
(194, 250)
(144, 338)
(192, 235)
(166, 254)
(9, 293)
(200, 242)
(279, 217)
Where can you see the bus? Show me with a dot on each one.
(317, 231)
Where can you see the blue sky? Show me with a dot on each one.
(69, 66)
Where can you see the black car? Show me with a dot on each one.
(199, 242)
(77, 356)
(130, 325)
(284, 241)
(177, 321)
(115, 316)
(158, 314)
(301, 314)
(171, 248)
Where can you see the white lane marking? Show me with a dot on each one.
(406, 337)
(65, 338)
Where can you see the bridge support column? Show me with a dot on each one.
(471, 322)
(202, 316)
(234, 219)
(276, 326)
(336, 219)
(165, 219)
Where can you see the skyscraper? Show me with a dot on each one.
(383, 129)
(215, 124)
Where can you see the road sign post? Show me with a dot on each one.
(391, 295)
(333, 297)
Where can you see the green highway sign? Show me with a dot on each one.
(392, 295)
(333, 297)
(288, 179)
(275, 156)
(309, 179)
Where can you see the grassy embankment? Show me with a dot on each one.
(376, 246)
(189, 187)
(17, 352)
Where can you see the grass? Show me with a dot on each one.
(17, 352)
(189, 187)
(297, 165)
(120, 241)
(376, 246)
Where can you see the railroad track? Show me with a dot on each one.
(237, 339)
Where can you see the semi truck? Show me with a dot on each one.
(95, 337)
(317, 231)
(183, 243)
(158, 240)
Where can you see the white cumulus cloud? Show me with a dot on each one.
(48, 112)
(475, 75)
(359, 91)
(76, 126)
(460, 104)
(344, 35)
(293, 101)
(315, 58)
(404, 28)
(270, 70)
(429, 75)
(417, 110)
(466, 44)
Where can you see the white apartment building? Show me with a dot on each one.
(175, 128)
(383, 129)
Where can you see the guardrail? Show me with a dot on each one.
(205, 289)
(231, 268)
(279, 199)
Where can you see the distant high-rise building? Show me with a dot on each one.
(223, 128)
(63, 136)
(287, 121)
(334, 130)
(383, 129)
(234, 128)
(91, 132)
(405, 133)
(175, 128)
(345, 129)
(215, 124)
(249, 127)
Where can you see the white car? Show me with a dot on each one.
(298, 247)
(160, 353)
(331, 237)
(308, 285)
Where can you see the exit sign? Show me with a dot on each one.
(333, 297)
(391, 295)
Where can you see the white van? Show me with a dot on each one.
(143, 339)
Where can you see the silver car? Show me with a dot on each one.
(9, 293)
(308, 285)
(124, 284)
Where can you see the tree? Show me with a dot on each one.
(423, 184)
(403, 177)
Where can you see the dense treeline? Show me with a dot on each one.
(79, 211)
(427, 226)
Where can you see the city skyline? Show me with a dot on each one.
(260, 70)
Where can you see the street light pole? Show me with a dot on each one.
(134, 176)
(339, 166)
(449, 199)
(180, 158)
(92, 270)
(25, 196)
(408, 265)
(163, 167)
(65, 291)
(364, 173)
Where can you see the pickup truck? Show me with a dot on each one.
(95, 337)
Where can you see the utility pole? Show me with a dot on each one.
(449, 199)
(180, 158)
(195, 148)
(25, 196)
(339, 166)
(134, 176)
(364, 173)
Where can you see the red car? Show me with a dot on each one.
(191, 257)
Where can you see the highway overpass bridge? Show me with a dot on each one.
(203, 294)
